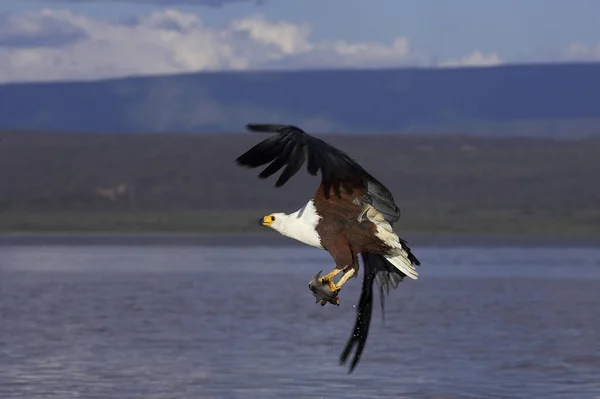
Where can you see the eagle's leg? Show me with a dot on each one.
(325, 290)
(349, 271)
(328, 279)
(347, 275)
(344, 259)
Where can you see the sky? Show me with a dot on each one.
(54, 40)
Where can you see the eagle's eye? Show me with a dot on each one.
(273, 218)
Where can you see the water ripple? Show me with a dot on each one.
(198, 322)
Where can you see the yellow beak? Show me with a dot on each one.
(266, 221)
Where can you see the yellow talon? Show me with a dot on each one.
(329, 282)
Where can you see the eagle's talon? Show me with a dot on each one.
(332, 286)
(322, 291)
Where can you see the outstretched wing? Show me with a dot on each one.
(290, 147)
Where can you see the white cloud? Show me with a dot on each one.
(209, 3)
(61, 45)
(171, 42)
(582, 52)
(286, 37)
(476, 58)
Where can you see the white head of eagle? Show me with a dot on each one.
(300, 225)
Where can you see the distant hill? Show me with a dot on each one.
(533, 100)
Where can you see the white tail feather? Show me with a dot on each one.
(399, 256)
(400, 260)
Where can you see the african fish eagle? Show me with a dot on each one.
(351, 213)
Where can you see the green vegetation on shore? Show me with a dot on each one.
(247, 222)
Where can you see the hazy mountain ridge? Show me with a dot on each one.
(537, 100)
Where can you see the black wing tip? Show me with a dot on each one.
(243, 160)
(411, 256)
(271, 127)
(359, 347)
(352, 365)
(358, 340)
(262, 127)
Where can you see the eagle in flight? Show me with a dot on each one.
(351, 213)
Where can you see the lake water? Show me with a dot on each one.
(218, 321)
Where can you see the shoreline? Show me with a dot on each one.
(273, 239)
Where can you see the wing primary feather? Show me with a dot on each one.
(363, 318)
(313, 161)
(262, 153)
(271, 128)
(376, 269)
(382, 303)
(263, 127)
(296, 159)
(278, 163)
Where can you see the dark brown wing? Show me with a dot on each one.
(290, 147)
